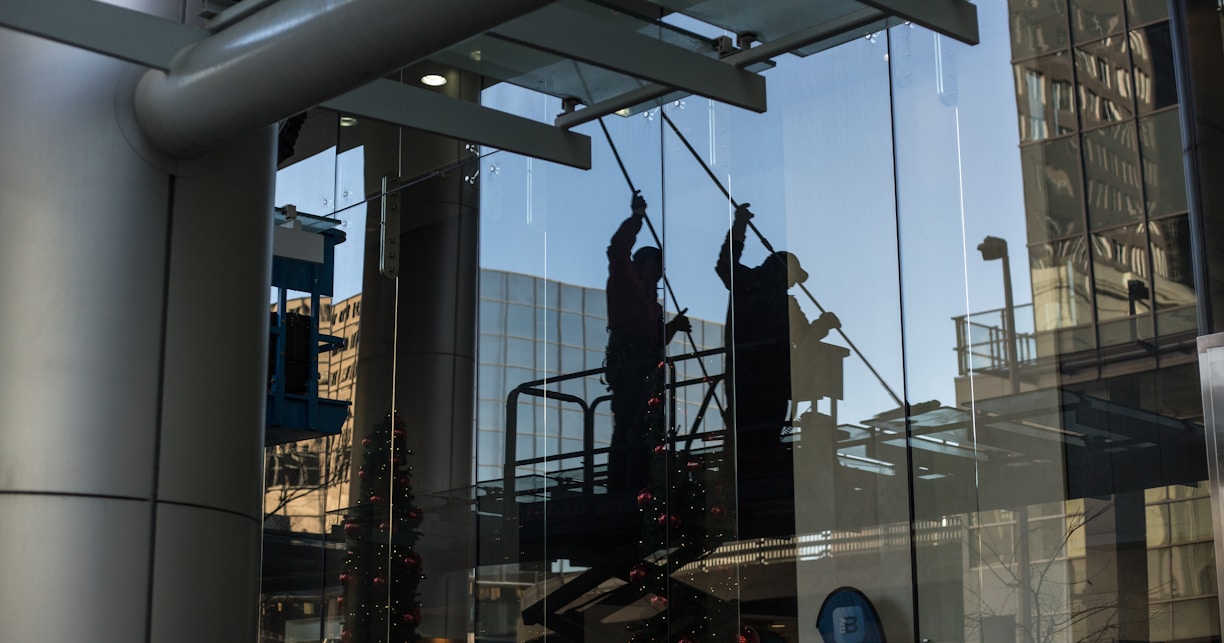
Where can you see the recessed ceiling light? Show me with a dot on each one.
(433, 80)
(347, 121)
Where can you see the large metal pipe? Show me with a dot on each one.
(294, 55)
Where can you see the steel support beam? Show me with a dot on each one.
(399, 104)
(856, 20)
(955, 19)
(576, 35)
(103, 28)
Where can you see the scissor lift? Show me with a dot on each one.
(303, 260)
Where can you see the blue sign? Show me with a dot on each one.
(847, 616)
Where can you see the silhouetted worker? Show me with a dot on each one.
(763, 324)
(636, 337)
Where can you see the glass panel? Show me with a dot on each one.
(1164, 173)
(308, 477)
(1093, 436)
(1111, 163)
(1037, 26)
(1092, 19)
(1172, 264)
(1120, 263)
(1103, 72)
(1155, 80)
(1061, 294)
(1144, 11)
(1053, 189)
(1044, 97)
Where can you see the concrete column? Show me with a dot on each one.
(133, 296)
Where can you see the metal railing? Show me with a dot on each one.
(545, 388)
(981, 339)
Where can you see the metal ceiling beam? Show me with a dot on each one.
(106, 29)
(421, 109)
(955, 19)
(579, 36)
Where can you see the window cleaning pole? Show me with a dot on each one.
(666, 283)
(769, 247)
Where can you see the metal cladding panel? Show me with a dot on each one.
(217, 330)
(205, 577)
(82, 276)
(76, 568)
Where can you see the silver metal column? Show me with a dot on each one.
(132, 336)
(1211, 377)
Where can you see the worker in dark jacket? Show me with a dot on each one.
(764, 323)
(636, 337)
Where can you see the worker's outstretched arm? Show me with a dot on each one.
(733, 246)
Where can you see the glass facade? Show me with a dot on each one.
(984, 416)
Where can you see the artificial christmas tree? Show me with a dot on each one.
(382, 568)
(685, 516)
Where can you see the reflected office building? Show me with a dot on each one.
(836, 321)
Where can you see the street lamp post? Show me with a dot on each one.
(995, 248)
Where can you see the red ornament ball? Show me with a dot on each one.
(352, 528)
(403, 481)
(687, 639)
(749, 635)
(415, 515)
(411, 618)
(658, 601)
(384, 526)
(365, 442)
(345, 577)
(375, 498)
(340, 601)
(346, 636)
(380, 582)
(718, 511)
(399, 433)
(693, 465)
(654, 401)
(361, 473)
(670, 519)
(638, 574)
(645, 498)
(660, 448)
(412, 562)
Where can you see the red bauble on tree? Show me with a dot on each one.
(366, 442)
(718, 511)
(639, 574)
(659, 601)
(346, 636)
(645, 498)
(749, 635)
(352, 528)
(412, 562)
(415, 515)
(380, 582)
